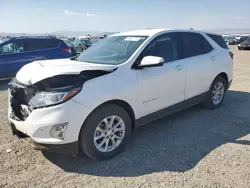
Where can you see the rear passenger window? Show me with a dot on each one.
(219, 40)
(194, 44)
(165, 46)
(40, 44)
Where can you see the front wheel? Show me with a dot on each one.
(216, 93)
(105, 132)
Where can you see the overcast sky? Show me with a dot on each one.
(38, 16)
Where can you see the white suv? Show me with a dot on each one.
(91, 103)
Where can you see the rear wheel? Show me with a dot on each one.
(216, 93)
(105, 132)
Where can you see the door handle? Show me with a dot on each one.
(212, 58)
(179, 67)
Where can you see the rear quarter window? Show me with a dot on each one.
(219, 40)
(194, 44)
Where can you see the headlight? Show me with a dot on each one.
(45, 98)
(239, 44)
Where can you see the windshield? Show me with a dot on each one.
(112, 50)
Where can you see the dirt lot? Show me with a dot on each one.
(193, 148)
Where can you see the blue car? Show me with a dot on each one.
(18, 51)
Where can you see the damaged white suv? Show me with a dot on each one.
(91, 103)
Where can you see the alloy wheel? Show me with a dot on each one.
(109, 133)
(218, 93)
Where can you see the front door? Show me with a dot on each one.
(161, 87)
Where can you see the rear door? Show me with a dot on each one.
(10, 58)
(200, 62)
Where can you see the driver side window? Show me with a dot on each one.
(11, 47)
(164, 46)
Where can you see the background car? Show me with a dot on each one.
(86, 42)
(80, 47)
(230, 40)
(241, 39)
(18, 51)
(71, 46)
(245, 45)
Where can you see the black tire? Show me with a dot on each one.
(239, 48)
(208, 103)
(86, 137)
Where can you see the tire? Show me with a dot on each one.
(209, 103)
(239, 48)
(97, 119)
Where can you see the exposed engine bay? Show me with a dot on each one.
(21, 95)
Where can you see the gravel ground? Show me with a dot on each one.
(193, 148)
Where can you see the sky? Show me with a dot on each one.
(39, 16)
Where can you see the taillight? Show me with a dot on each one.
(231, 55)
(67, 50)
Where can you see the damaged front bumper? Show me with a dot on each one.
(69, 148)
(38, 123)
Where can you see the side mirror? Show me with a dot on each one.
(151, 61)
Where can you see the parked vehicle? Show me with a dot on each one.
(72, 47)
(80, 47)
(245, 45)
(241, 39)
(18, 51)
(230, 40)
(92, 103)
(86, 42)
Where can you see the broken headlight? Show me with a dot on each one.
(49, 98)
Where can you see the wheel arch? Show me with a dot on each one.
(121, 103)
(223, 75)
(126, 106)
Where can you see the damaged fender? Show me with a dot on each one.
(39, 77)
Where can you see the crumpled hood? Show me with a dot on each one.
(39, 70)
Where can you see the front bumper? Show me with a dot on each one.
(69, 148)
(39, 123)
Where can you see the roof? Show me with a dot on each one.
(33, 37)
(145, 32)
(151, 32)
